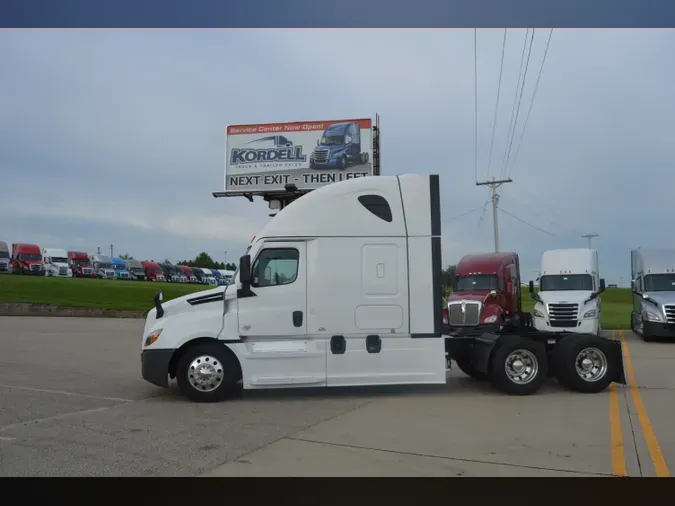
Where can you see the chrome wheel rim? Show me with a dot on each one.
(521, 366)
(591, 364)
(205, 373)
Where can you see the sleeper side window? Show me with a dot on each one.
(377, 205)
(275, 266)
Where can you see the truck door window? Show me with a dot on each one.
(275, 266)
(377, 205)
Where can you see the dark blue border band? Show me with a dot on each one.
(337, 14)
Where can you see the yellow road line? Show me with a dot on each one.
(618, 454)
(655, 452)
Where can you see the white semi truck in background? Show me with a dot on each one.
(343, 287)
(568, 298)
(55, 263)
(653, 286)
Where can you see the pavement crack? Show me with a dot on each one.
(632, 430)
(264, 445)
(444, 457)
(62, 392)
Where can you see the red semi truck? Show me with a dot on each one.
(187, 271)
(153, 272)
(79, 263)
(485, 291)
(27, 259)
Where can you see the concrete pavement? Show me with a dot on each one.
(72, 403)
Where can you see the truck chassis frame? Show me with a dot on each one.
(474, 350)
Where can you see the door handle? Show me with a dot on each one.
(297, 318)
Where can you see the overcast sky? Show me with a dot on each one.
(118, 136)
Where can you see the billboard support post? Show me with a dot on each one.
(272, 161)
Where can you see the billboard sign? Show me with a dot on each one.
(265, 158)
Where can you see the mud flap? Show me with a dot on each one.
(481, 351)
(617, 355)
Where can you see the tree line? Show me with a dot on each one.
(202, 260)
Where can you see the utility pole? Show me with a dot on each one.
(98, 249)
(111, 250)
(589, 237)
(494, 184)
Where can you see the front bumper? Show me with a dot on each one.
(585, 326)
(155, 366)
(657, 329)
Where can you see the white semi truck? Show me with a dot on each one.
(56, 263)
(343, 287)
(569, 292)
(653, 284)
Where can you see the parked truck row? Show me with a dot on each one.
(30, 259)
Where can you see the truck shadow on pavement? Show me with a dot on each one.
(456, 386)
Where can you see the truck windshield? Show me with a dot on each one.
(119, 267)
(4, 254)
(558, 282)
(80, 263)
(59, 260)
(332, 140)
(30, 256)
(660, 283)
(155, 270)
(475, 282)
(104, 265)
(136, 269)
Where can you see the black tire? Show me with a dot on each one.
(602, 368)
(534, 356)
(220, 361)
(464, 363)
(343, 163)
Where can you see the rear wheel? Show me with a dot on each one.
(583, 363)
(208, 373)
(464, 363)
(519, 367)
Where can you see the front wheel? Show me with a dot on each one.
(343, 163)
(519, 367)
(208, 373)
(582, 363)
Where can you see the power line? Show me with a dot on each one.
(520, 99)
(534, 94)
(482, 215)
(515, 98)
(543, 204)
(475, 99)
(468, 212)
(499, 87)
(525, 222)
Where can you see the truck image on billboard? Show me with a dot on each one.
(267, 157)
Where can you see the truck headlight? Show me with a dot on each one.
(591, 313)
(653, 317)
(491, 319)
(538, 314)
(152, 337)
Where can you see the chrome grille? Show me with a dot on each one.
(4, 267)
(86, 270)
(321, 155)
(35, 267)
(470, 316)
(670, 313)
(109, 274)
(63, 271)
(159, 278)
(563, 314)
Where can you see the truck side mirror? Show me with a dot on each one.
(531, 286)
(602, 285)
(245, 271)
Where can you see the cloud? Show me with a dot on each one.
(118, 136)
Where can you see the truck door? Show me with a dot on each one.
(273, 321)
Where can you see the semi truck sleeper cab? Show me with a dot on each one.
(320, 302)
